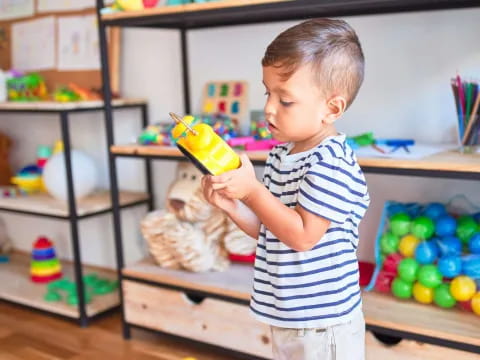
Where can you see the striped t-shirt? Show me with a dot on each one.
(318, 287)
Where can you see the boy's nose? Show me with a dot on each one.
(269, 109)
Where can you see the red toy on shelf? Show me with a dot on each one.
(45, 266)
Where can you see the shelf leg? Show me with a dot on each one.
(185, 70)
(112, 167)
(73, 219)
(148, 163)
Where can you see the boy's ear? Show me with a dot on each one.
(336, 106)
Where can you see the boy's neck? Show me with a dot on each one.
(313, 141)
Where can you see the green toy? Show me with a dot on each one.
(402, 289)
(389, 243)
(467, 226)
(429, 276)
(400, 224)
(423, 227)
(442, 296)
(94, 285)
(408, 269)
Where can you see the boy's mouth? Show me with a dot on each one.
(271, 127)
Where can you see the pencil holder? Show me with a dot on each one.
(199, 143)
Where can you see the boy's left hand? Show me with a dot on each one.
(239, 183)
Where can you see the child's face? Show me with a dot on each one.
(295, 109)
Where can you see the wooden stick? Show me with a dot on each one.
(178, 119)
(470, 121)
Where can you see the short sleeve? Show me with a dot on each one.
(333, 192)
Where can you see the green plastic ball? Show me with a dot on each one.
(400, 224)
(423, 227)
(467, 226)
(442, 296)
(408, 269)
(402, 289)
(429, 276)
(389, 243)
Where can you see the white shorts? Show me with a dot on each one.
(338, 342)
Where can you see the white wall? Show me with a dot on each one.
(409, 61)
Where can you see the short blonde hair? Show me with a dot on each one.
(330, 46)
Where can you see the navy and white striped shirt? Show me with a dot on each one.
(318, 287)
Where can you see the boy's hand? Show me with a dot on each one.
(238, 184)
(215, 198)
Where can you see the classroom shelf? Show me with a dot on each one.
(17, 287)
(413, 320)
(234, 12)
(54, 106)
(44, 205)
(446, 164)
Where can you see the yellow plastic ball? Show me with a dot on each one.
(204, 139)
(408, 244)
(422, 293)
(476, 303)
(463, 288)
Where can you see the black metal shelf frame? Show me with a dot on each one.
(262, 13)
(72, 217)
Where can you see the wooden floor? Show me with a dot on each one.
(30, 335)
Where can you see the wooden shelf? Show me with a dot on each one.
(53, 106)
(17, 287)
(380, 310)
(45, 205)
(446, 162)
(234, 12)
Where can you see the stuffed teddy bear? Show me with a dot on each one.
(190, 233)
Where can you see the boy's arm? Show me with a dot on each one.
(297, 228)
(240, 214)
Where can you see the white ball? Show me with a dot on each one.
(84, 175)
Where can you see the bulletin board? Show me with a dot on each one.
(90, 79)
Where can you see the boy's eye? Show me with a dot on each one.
(286, 103)
(266, 93)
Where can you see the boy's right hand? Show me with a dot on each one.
(216, 198)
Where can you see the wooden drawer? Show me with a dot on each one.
(412, 350)
(213, 321)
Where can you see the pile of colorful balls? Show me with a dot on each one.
(430, 254)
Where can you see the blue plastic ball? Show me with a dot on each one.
(445, 225)
(471, 266)
(434, 210)
(450, 266)
(426, 252)
(474, 243)
(449, 245)
(396, 208)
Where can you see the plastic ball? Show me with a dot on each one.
(423, 227)
(449, 245)
(395, 208)
(450, 266)
(401, 289)
(445, 225)
(84, 175)
(407, 270)
(389, 243)
(467, 226)
(429, 276)
(463, 288)
(434, 210)
(475, 302)
(400, 224)
(474, 243)
(390, 263)
(426, 252)
(422, 293)
(407, 245)
(471, 265)
(442, 296)
(384, 281)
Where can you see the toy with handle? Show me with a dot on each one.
(199, 143)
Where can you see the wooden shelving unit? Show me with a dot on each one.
(18, 288)
(202, 306)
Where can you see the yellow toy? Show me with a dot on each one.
(208, 151)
